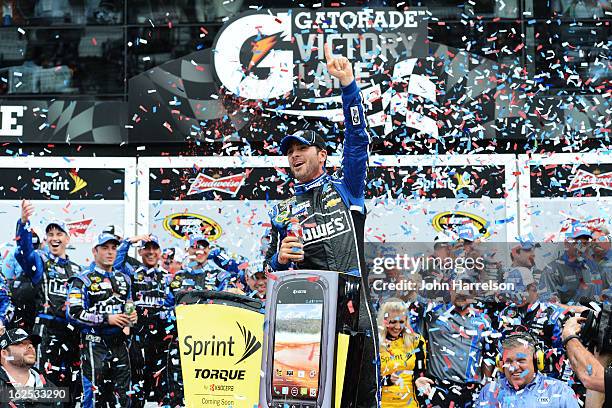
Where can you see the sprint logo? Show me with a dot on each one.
(58, 184)
(79, 183)
(251, 344)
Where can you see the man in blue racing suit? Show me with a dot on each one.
(332, 212)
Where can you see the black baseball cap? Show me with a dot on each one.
(306, 137)
(15, 336)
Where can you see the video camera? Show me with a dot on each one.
(596, 330)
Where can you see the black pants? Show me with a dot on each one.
(173, 381)
(448, 392)
(105, 370)
(58, 356)
(148, 355)
(368, 395)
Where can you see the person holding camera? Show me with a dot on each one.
(522, 384)
(589, 369)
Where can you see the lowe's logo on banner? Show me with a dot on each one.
(9, 120)
(278, 54)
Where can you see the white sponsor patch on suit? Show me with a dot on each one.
(336, 224)
(355, 115)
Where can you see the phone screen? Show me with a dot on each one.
(297, 341)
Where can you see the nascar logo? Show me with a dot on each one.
(451, 220)
(182, 225)
(228, 184)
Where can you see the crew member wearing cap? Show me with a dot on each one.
(468, 236)
(49, 272)
(520, 274)
(17, 359)
(571, 278)
(460, 350)
(257, 281)
(97, 305)
(332, 212)
(434, 271)
(600, 257)
(172, 259)
(208, 268)
(118, 233)
(524, 312)
(150, 340)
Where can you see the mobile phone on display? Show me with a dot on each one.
(297, 344)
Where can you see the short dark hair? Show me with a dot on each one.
(201, 242)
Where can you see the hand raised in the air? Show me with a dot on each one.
(339, 67)
(27, 209)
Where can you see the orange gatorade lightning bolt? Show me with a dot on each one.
(261, 48)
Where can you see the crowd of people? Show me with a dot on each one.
(466, 348)
(105, 332)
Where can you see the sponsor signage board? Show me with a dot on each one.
(405, 202)
(85, 193)
(562, 189)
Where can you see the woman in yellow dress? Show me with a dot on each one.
(402, 356)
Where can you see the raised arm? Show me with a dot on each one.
(356, 138)
(122, 253)
(28, 259)
(223, 261)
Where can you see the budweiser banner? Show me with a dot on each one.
(559, 190)
(85, 193)
(409, 199)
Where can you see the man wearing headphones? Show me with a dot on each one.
(522, 385)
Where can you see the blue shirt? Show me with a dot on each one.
(457, 344)
(10, 267)
(542, 392)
